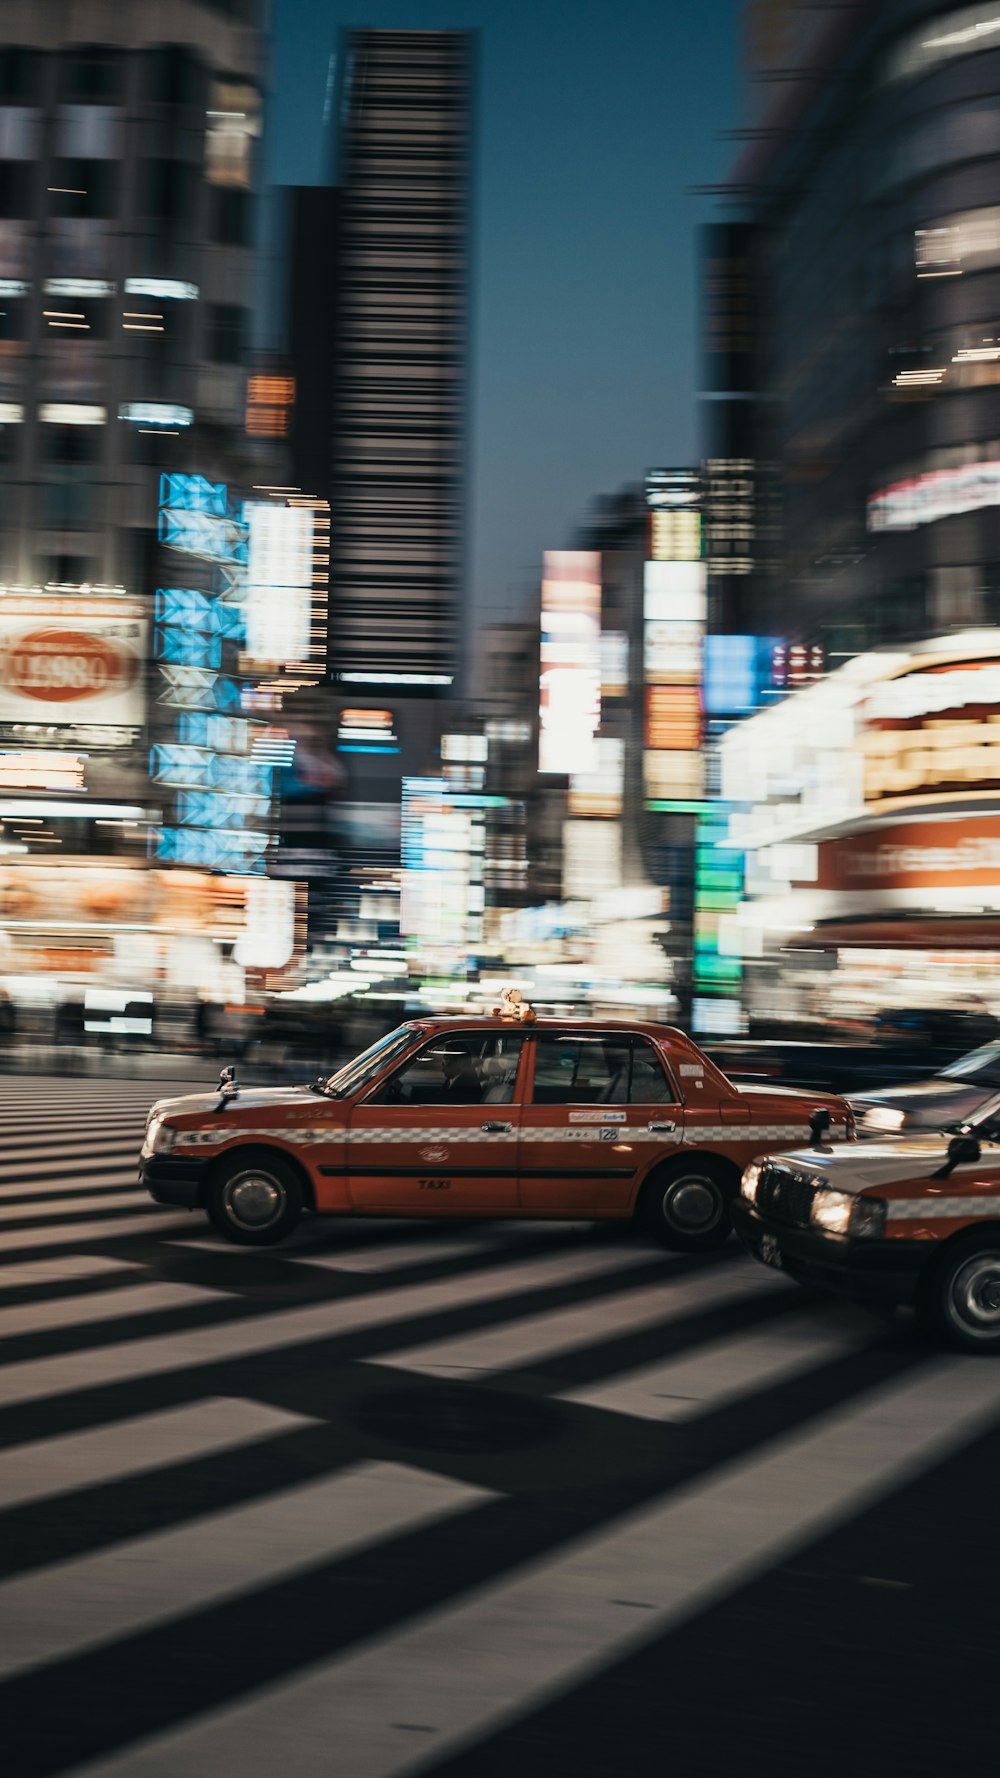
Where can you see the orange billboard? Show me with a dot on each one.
(913, 855)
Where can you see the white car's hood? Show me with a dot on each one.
(865, 1166)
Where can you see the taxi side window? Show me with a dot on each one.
(467, 1069)
(612, 1070)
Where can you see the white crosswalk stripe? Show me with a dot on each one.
(67, 1267)
(723, 1370)
(74, 1605)
(131, 1302)
(131, 1447)
(556, 1332)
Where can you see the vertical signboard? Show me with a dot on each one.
(570, 686)
(279, 582)
(675, 612)
(443, 845)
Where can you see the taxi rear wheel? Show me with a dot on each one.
(961, 1297)
(254, 1200)
(686, 1204)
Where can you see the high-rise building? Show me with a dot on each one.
(403, 124)
(853, 347)
(128, 143)
(851, 313)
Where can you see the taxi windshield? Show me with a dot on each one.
(355, 1075)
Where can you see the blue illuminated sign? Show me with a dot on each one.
(187, 648)
(201, 534)
(192, 493)
(737, 672)
(223, 734)
(209, 808)
(242, 853)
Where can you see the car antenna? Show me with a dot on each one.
(228, 1088)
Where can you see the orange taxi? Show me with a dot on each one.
(485, 1116)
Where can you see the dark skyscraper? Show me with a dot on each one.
(403, 123)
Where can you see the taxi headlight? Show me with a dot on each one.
(867, 1218)
(160, 1137)
(831, 1210)
(750, 1181)
(883, 1117)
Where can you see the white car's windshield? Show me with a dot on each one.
(355, 1075)
(981, 1065)
(985, 1123)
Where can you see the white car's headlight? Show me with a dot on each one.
(749, 1182)
(868, 1218)
(883, 1117)
(831, 1210)
(160, 1137)
(840, 1213)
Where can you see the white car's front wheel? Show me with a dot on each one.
(961, 1297)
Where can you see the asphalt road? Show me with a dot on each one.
(476, 1500)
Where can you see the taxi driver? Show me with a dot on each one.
(462, 1083)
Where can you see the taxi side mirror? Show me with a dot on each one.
(960, 1149)
(228, 1088)
(819, 1123)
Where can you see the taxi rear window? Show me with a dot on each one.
(614, 1069)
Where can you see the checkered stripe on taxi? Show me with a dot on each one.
(596, 1132)
(940, 1209)
(221, 1133)
(304, 1136)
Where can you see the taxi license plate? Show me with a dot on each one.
(770, 1252)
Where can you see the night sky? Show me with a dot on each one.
(595, 116)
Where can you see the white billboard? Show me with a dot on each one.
(72, 660)
(279, 582)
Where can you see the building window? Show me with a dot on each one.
(168, 191)
(232, 127)
(67, 318)
(90, 79)
(173, 77)
(62, 570)
(67, 501)
(13, 318)
(231, 218)
(71, 444)
(83, 188)
(226, 333)
(20, 74)
(18, 183)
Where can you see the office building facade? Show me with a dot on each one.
(129, 147)
(397, 475)
(864, 229)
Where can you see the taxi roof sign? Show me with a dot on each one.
(514, 1006)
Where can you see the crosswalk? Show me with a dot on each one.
(391, 1489)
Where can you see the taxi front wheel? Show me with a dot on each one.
(686, 1204)
(254, 1200)
(961, 1297)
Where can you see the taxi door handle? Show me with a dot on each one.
(497, 1129)
(666, 1128)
